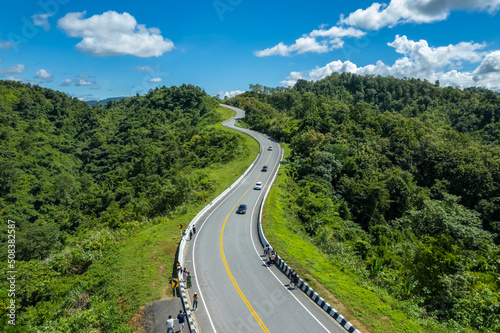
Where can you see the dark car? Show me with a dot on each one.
(242, 209)
(264, 168)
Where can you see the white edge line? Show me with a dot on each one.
(194, 247)
(258, 254)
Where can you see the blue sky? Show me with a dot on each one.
(99, 49)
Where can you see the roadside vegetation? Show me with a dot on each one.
(390, 198)
(98, 193)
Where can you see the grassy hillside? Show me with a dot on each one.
(391, 198)
(98, 193)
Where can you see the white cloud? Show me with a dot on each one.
(431, 58)
(42, 20)
(229, 94)
(487, 74)
(147, 69)
(292, 79)
(380, 15)
(336, 31)
(155, 80)
(490, 65)
(80, 83)
(66, 83)
(317, 41)
(42, 74)
(280, 49)
(112, 34)
(5, 45)
(16, 69)
(12, 78)
(302, 45)
(419, 60)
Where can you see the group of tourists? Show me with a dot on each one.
(181, 317)
(271, 260)
(271, 255)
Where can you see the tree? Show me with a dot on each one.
(37, 241)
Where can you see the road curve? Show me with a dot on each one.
(238, 293)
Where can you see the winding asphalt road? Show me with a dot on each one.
(238, 293)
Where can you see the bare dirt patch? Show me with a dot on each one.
(137, 320)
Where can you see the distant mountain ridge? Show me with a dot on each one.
(104, 101)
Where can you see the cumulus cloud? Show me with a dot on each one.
(155, 80)
(43, 75)
(293, 78)
(85, 83)
(487, 74)
(229, 94)
(112, 34)
(80, 83)
(12, 78)
(380, 15)
(490, 65)
(317, 41)
(66, 83)
(419, 60)
(336, 31)
(16, 69)
(42, 20)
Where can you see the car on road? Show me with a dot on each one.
(242, 209)
(258, 186)
(264, 168)
(270, 148)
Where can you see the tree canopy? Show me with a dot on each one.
(406, 175)
(77, 178)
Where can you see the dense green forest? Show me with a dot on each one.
(400, 181)
(79, 179)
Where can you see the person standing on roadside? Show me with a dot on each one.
(179, 268)
(292, 278)
(195, 301)
(269, 250)
(181, 317)
(170, 324)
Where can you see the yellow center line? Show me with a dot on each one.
(223, 256)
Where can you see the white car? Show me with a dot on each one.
(270, 148)
(258, 186)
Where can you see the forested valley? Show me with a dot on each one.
(399, 180)
(79, 180)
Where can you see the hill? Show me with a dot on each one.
(97, 194)
(103, 101)
(397, 183)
